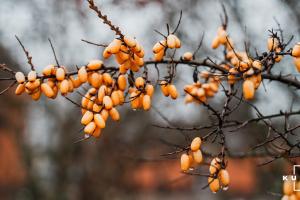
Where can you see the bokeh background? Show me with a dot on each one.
(38, 156)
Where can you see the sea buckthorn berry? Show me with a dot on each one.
(297, 63)
(47, 90)
(149, 90)
(20, 77)
(115, 98)
(172, 91)
(130, 42)
(215, 165)
(100, 122)
(106, 54)
(121, 97)
(36, 95)
(114, 46)
(114, 114)
(97, 132)
(184, 162)
(159, 46)
(146, 102)
(32, 76)
(296, 50)
(122, 82)
(187, 56)
(64, 87)
(71, 86)
(101, 93)
(248, 89)
(197, 155)
(90, 128)
(159, 56)
(33, 85)
(104, 113)
(272, 43)
(60, 74)
(87, 117)
(95, 79)
(107, 102)
(134, 100)
(196, 143)
(139, 82)
(82, 74)
(48, 70)
(107, 79)
(214, 184)
(95, 65)
(97, 108)
(20, 89)
(164, 88)
(171, 41)
(177, 42)
(224, 177)
(288, 187)
(215, 43)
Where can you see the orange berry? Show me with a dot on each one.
(115, 98)
(134, 100)
(64, 87)
(187, 56)
(87, 117)
(214, 184)
(95, 65)
(48, 70)
(82, 74)
(100, 122)
(97, 132)
(172, 91)
(149, 90)
(159, 46)
(36, 95)
(171, 41)
(122, 82)
(248, 89)
(114, 114)
(297, 63)
(146, 102)
(104, 114)
(107, 79)
(107, 102)
(130, 42)
(184, 162)
(197, 155)
(60, 74)
(215, 43)
(101, 93)
(215, 165)
(164, 88)
(159, 56)
(196, 143)
(20, 89)
(47, 90)
(139, 82)
(296, 50)
(224, 177)
(114, 46)
(90, 128)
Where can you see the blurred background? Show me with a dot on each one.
(38, 156)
